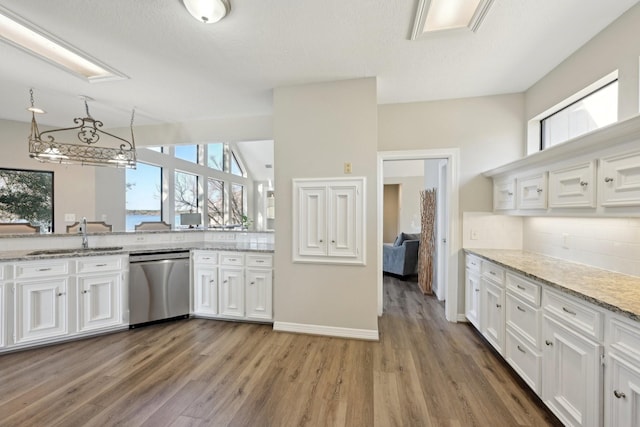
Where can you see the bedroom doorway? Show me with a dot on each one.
(442, 166)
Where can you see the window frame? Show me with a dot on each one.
(52, 193)
(160, 183)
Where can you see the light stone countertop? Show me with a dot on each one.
(24, 255)
(617, 292)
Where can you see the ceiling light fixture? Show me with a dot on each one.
(44, 147)
(35, 41)
(443, 15)
(207, 11)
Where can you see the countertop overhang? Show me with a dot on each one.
(613, 291)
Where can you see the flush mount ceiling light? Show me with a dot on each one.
(207, 11)
(24, 35)
(443, 15)
(117, 152)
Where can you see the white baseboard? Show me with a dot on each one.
(332, 331)
(462, 318)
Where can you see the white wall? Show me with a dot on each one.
(409, 215)
(318, 127)
(73, 185)
(489, 132)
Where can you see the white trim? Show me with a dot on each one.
(332, 331)
(453, 157)
(462, 318)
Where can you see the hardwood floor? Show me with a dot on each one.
(423, 372)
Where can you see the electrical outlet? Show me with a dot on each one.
(347, 167)
(475, 235)
(70, 217)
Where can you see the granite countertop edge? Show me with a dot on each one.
(24, 255)
(606, 289)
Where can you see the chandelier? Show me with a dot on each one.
(43, 146)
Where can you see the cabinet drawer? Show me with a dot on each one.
(576, 314)
(42, 269)
(473, 263)
(231, 259)
(526, 361)
(524, 289)
(493, 272)
(625, 337)
(259, 260)
(205, 257)
(92, 264)
(525, 319)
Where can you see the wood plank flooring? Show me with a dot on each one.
(423, 372)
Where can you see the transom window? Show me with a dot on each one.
(595, 110)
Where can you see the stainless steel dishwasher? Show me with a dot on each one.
(158, 287)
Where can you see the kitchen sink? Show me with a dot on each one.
(78, 251)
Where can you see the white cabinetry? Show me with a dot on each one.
(41, 300)
(492, 323)
(472, 290)
(3, 305)
(504, 194)
(572, 361)
(622, 393)
(532, 191)
(619, 180)
(329, 220)
(573, 186)
(99, 293)
(230, 285)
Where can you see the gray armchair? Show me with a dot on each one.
(401, 258)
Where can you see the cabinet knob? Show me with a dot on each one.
(226, 281)
(608, 179)
(86, 291)
(333, 241)
(477, 290)
(252, 283)
(498, 305)
(212, 281)
(539, 190)
(547, 342)
(321, 240)
(619, 394)
(510, 193)
(583, 183)
(61, 293)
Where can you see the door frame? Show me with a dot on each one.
(453, 158)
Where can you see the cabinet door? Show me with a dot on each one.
(99, 301)
(532, 192)
(472, 298)
(619, 180)
(205, 290)
(343, 221)
(311, 221)
(572, 375)
(3, 340)
(573, 187)
(40, 309)
(492, 312)
(259, 294)
(504, 194)
(232, 292)
(623, 395)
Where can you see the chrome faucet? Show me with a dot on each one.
(83, 230)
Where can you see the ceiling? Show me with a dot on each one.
(180, 69)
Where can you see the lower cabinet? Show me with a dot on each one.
(472, 300)
(624, 393)
(99, 301)
(40, 309)
(572, 375)
(492, 314)
(228, 285)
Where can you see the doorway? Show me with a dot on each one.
(447, 260)
(391, 203)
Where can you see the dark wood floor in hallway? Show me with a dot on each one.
(423, 372)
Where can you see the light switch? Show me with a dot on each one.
(475, 235)
(347, 167)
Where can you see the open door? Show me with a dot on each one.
(442, 225)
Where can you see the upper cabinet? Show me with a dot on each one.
(597, 174)
(329, 220)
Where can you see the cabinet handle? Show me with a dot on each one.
(619, 394)
(212, 281)
(252, 283)
(259, 261)
(226, 281)
(44, 269)
(539, 190)
(566, 310)
(522, 288)
(510, 193)
(608, 179)
(493, 273)
(547, 342)
(583, 183)
(232, 259)
(521, 309)
(61, 293)
(498, 305)
(521, 349)
(206, 258)
(101, 265)
(477, 290)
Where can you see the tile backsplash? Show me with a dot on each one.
(608, 243)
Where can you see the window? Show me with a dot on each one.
(215, 202)
(187, 152)
(143, 190)
(215, 156)
(597, 109)
(236, 169)
(186, 194)
(27, 196)
(158, 149)
(237, 204)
